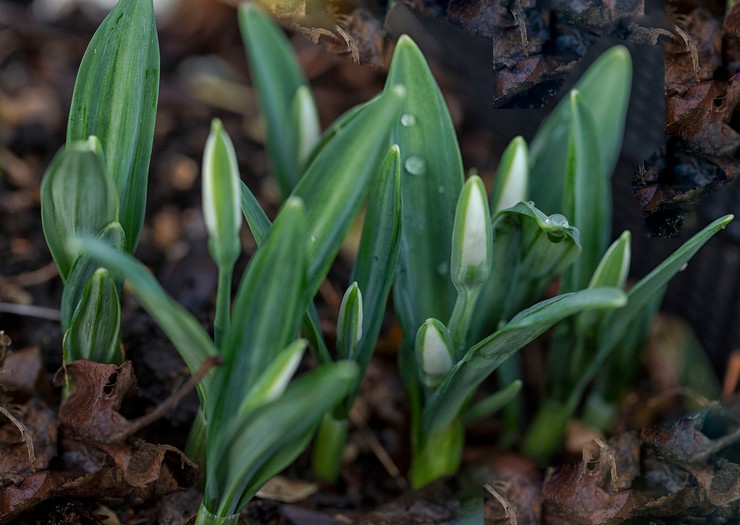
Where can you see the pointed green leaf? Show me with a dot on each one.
(586, 196)
(77, 197)
(115, 98)
(511, 184)
(275, 378)
(483, 358)
(492, 404)
(185, 332)
(615, 264)
(257, 219)
(246, 444)
(259, 225)
(276, 77)
(431, 180)
(95, 328)
(616, 323)
(221, 197)
(336, 183)
(266, 315)
(375, 266)
(605, 88)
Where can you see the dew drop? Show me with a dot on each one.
(441, 190)
(415, 165)
(683, 267)
(557, 220)
(408, 120)
(312, 238)
(443, 268)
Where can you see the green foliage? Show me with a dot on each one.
(470, 271)
(96, 185)
(115, 99)
(284, 98)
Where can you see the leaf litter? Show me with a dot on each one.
(88, 450)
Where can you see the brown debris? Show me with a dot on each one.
(93, 434)
(669, 471)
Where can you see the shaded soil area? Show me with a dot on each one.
(686, 469)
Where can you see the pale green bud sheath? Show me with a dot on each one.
(512, 176)
(434, 352)
(349, 323)
(222, 215)
(472, 255)
(307, 124)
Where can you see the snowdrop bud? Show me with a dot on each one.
(221, 194)
(471, 236)
(349, 324)
(307, 123)
(512, 176)
(433, 352)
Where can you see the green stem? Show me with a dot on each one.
(223, 303)
(461, 317)
(329, 448)
(439, 455)
(195, 447)
(204, 517)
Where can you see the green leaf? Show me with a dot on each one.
(221, 197)
(333, 199)
(95, 328)
(115, 99)
(245, 444)
(77, 197)
(615, 324)
(375, 266)
(491, 404)
(185, 332)
(431, 180)
(615, 264)
(511, 184)
(273, 381)
(276, 77)
(349, 323)
(83, 270)
(530, 250)
(266, 314)
(586, 196)
(259, 225)
(257, 219)
(605, 88)
(483, 358)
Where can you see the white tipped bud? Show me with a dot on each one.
(512, 176)
(615, 264)
(349, 323)
(433, 352)
(307, 123)
(472, 250)
(221, 195)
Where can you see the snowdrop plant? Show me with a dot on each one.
(97, 183)
(254, 420)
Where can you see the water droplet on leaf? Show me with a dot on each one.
(415, 165)
(557, 219)
(408, 120)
